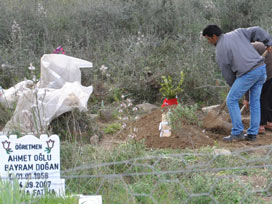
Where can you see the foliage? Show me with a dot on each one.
(236, 14)
(132, 166)
(184, 114)
(74, 126)
(129, 37)
(10, 193)
(112, 128)
(168, 89)
(5, 115)
(126, 36)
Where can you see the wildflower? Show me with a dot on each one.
(41, 10)
(15, 28)
(135, 109)
(103, 69)
(124, 125)
(123, 105)
(31, 67)
(122, 96)
(132, 136)
(209, 5)
(34, 78)
(34, 106)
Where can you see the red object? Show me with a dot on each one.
(59, 50)
(169, 102)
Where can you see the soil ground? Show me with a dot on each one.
(187, 136)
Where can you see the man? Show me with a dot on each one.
(243, 69)
(266, 94)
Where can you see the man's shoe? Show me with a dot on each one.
(249, 137)
(230, 138)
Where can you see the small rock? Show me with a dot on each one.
(210, 108)
(147, 107)
(224, 152)
(94, 140)
(106, 115)
(93, 116)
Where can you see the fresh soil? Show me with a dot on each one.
(186, 135)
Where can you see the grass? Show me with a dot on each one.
(133, 38)
(129, 37)
(10, 193)
(112, 128)
(130, 173)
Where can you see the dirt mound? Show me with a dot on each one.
(187, 136)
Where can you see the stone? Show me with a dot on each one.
(147, 107)
(94, 140)
(106, 115)
(224, 152)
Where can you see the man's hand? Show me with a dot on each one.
(246, 103)
(269, 49)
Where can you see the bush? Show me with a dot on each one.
(112, 128)
(129, 37)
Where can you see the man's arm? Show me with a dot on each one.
(227, 73)
(224, 59)
(257, 33)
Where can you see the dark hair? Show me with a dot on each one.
(211, 30)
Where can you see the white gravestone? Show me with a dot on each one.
(35, 162)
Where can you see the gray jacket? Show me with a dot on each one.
(236, 56)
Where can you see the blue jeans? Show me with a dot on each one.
(252, 81)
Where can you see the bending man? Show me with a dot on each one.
(243, 69)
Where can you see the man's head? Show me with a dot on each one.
(212, 33)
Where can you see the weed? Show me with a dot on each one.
(112, 128)
(184, 114)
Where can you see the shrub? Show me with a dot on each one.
(112, 128)
(168, 89)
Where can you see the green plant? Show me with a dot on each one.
(184, 113)
(5, 114)
(168, 89)
(74, 126)
(10, 192)
(112, 128)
